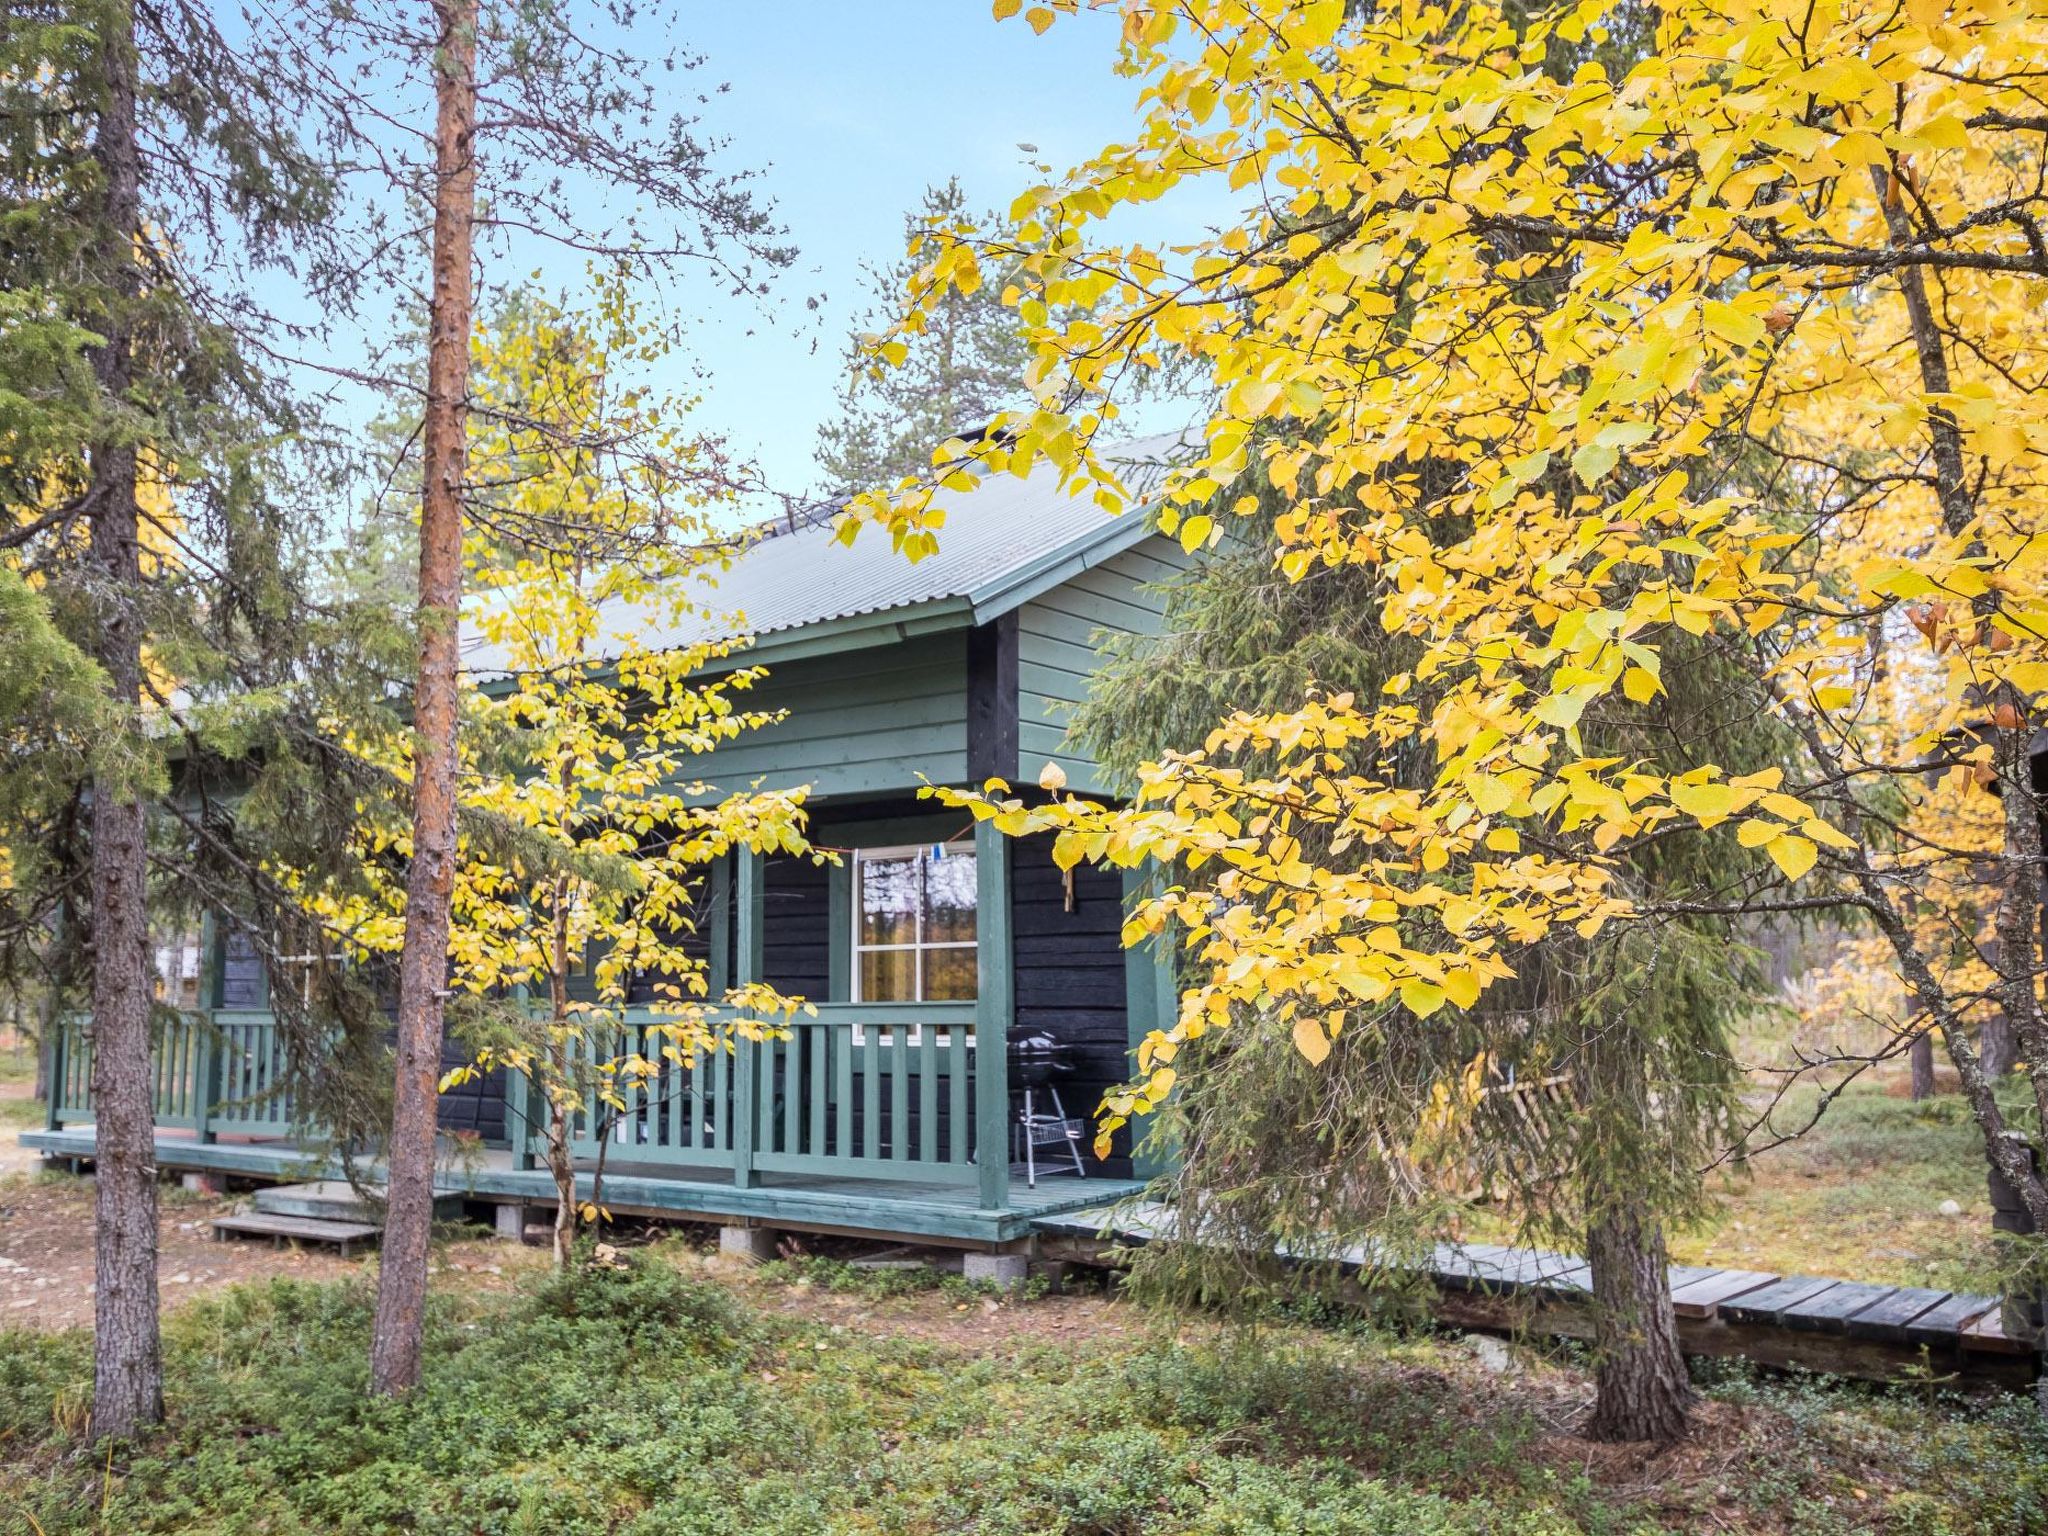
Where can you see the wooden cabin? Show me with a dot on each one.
(929, 947)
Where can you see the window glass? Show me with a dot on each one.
(888, 975)
(949, 975)
(949, 899)
(888, 900)
(914, 925)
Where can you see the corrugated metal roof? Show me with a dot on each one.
(999, 530)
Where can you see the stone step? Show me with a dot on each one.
(297, 1229)
(334, 1200)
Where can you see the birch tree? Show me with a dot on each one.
(1571, 352)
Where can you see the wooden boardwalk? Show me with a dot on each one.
(1843, 1327)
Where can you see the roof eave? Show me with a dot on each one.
(1014, 588)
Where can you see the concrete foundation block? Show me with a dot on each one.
(749, 1245)
(1008, 1270)
(202, 1183)
(509, 1222)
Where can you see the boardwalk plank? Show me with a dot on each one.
(1830, 1311)
(1699, 1298)
(1988, 1334)
(1767, 1305)
(1889, 1318)
(1942, 1324)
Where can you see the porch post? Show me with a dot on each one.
(1151, 1001)
(206, 1063)
(519, 1099)
(749, 965)
(54, 1033)
(995, 1006)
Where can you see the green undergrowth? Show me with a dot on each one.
(644, 1400)
(843, 1278)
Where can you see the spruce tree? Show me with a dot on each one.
(152, 168)
(1382, 1142)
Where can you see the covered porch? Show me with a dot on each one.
(889, 1109)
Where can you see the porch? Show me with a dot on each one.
(876, 1207)
(869, 1114)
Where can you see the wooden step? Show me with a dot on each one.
(335, 1200)
(297, 1229)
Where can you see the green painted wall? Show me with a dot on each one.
(1057, 649)
(859, 721)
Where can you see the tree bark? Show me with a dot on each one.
(423, 967)
(1639, 1370)
(127, 1353)
(1920, 1057)
(1996, 1047)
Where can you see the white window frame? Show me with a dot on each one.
(916, 947)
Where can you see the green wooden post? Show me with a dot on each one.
(206, 1055)
(54, 1034)
(749, 964)
(995, 1004)
(519, 1100)
(1151, 1001)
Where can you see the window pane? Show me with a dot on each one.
(949, 975)
(888, 975)
(949, 894)
(888, 900)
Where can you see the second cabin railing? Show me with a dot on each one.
(213, 1071)
(860, 1090)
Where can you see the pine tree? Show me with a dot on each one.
(965, 364)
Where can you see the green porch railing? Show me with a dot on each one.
(861, 1090)
(858, 1091)
(211, 1071)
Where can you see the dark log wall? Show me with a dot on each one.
(1070, 978)
(796, 927)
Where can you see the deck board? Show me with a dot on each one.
(896, 1207)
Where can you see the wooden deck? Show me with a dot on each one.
(936, 1212)
(1842, 1327)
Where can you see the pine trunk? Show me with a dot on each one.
(1639, 1370)
(127, 1353)
(423, 967)
(1920, 1057)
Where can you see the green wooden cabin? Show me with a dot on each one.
(929, 945)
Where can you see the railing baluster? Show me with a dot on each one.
(956, 1094)
(928, 1093)
(793, 1090)
(842, 1086)
(899, 1092)
(821, 1083)
(871, 1095)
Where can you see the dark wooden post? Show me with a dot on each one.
(995, 1005)
(749, 965)
(2022, 1314)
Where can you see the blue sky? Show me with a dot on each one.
(852, 109)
